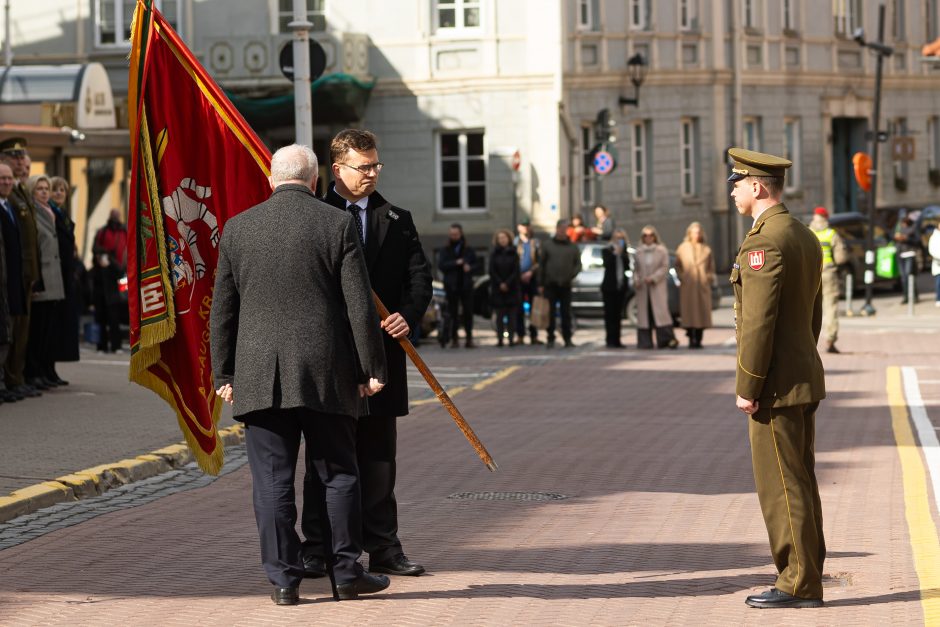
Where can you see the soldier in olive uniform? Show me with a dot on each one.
(13, 153)
(780, 379)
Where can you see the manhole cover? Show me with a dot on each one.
(507, 496)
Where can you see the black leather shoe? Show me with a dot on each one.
(398, 565)
(10, 397)
(27, 391)
(314, 567)
(36, 384)
(285, 596)
(774, 598)
(365, 584)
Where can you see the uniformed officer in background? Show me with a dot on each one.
(780, 379)
(834, 255)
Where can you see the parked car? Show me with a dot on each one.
(852, 227)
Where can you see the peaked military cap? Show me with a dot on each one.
(13, 145)
(750, 163)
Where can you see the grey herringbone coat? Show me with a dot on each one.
(293, 323)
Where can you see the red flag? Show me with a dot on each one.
(196, 163)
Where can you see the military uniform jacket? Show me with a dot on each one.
(401, 277)
(29, 234)
(778, 312)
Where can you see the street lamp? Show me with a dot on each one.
(881, 51)
(636, 66)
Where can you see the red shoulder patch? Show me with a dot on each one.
(755, 259)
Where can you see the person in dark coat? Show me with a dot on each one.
(614, 285)
(7, 232)
(560, 264)
(68, 320)
(505, 292)
(110, 252)
(457, 262)
(401, 277)
(295, 343)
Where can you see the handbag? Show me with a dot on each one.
(540, 312)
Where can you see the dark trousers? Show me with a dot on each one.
(784, 458)
(506, 323)
(376, 444)
(529, 290)
(460, 301)
(16, 359)
(613, 311)
(562, 296)
(40, 350)
(665, 336)
(108, 317)
(695, 336)
(908, 268)
(272, 438)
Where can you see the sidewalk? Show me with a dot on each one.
(624, 496)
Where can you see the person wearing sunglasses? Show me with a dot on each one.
(652, 293)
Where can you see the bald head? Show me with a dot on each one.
(294, 164)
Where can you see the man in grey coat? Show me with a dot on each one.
(296, 343)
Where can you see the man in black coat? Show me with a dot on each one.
(401, 277)
(13, 296)
(457, 261)
(294, 333)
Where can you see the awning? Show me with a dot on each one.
(337, 98)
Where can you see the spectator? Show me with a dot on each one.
(561, 263)
(504, 285)
(614, 285)
(933, 247)
(68, 314)
(834, 255)
(110, 252)
(696, 268)
(908, 243)
(6, 186)
(577, 232)
(652, 295)
(605, 224)
(529, 249)
(457, 262)
(40, 351)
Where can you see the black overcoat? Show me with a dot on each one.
(291, 308)
(504, 268)
(401, 277)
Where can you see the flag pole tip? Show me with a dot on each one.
(492, 466)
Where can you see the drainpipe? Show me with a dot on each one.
(7, 47)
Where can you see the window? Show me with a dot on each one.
(587, 14)
(462, 171)
(688, 15)
(791, 151)
(688, 158)
(789, 15)
(640, 11)
(898, 128)
(752, 134)
(897, 20)
(316, 13)
(587, 165)
(933, 142)
(458, 14)
(112, 14)
(847, 15)
(751, 18)
(640, 159)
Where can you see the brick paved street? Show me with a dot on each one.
(659, 523)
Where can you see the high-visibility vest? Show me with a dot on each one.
(825, 240)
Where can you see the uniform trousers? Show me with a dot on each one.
(783, 456)
(272, 439)
(16, 360)
(830, 303)
(376, 444)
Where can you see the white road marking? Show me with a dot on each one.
(926, 432)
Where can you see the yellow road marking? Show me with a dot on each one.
(925, 542)
(476, 387)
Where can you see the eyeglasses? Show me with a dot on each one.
(367, 168)
(648, 235)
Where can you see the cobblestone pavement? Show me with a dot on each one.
(624, 497)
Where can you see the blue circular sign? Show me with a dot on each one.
(604, 162)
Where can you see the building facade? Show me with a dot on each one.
(456, 88)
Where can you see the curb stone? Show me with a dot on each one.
(99, 479)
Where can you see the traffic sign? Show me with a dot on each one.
(902, 148)
(317, 60)
(604, 162)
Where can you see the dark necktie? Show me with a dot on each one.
(354, 210)
(8, 209)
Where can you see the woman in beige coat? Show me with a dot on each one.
(696, 268)
(652, 296)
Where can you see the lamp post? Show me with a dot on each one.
(881, 51)
(303, 106)
(637, 67)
